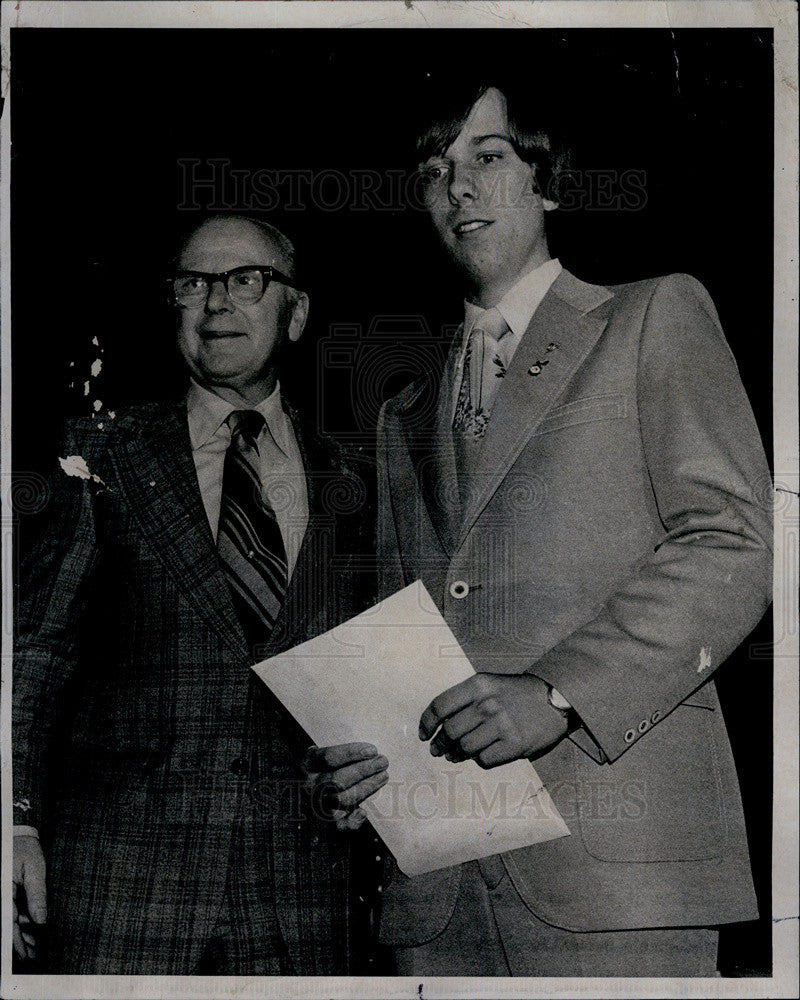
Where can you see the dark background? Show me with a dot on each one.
(104, 122)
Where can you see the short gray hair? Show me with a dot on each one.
(281, 241)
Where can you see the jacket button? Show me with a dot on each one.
(655, 717)
(630, 736)
(459, 589)
(644, 725)
(239, 766)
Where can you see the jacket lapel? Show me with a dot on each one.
(572, 316)
(298, 612)
(153, 461)
(427, 419)
(308, 608)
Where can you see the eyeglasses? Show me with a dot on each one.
(243, 284)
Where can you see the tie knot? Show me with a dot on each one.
(245, 424)
(491, 322)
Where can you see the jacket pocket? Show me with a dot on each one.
(587, 409)
(661, 801)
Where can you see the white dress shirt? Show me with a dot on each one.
(283, 478)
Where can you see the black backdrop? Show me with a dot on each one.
(109, 128)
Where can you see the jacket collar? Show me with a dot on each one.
(152, 458)
(572, 315)
(153, 461)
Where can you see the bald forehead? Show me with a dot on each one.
(227, 240)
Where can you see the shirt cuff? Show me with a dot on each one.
(557, 700)
(25, 831)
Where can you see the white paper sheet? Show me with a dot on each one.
(369, 680)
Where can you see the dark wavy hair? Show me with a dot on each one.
(535, 136)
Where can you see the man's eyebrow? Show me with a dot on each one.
(478, 139)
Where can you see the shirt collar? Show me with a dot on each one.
(207, 412)
(521, 301)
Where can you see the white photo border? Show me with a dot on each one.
(781, 17)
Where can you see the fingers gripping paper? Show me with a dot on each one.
(369, 680)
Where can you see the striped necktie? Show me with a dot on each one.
(249, 540)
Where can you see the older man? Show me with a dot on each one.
(579, 491)
(161, 782)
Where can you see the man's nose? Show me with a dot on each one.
(218, 298)
(462, 185)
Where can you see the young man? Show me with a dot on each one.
(159, 779)
(579, 492)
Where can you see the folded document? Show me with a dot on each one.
(369, 680)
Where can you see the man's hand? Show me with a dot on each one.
(492, 718)
(28, 893)
(341, 777)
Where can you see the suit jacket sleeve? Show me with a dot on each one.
(707, 583)
(54, 584)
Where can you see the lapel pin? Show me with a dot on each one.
(552, 347)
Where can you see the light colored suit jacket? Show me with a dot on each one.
(616, 542)
(142, 740)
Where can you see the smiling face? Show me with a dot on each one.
(233, 349)
(485, 205)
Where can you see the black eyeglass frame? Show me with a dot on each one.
(267, 271)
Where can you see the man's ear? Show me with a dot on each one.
(299, 316)
(547, 203)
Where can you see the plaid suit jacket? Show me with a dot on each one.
(141, 737)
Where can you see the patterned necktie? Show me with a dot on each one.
(249, 540)
(485, 362)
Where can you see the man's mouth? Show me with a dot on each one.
(215, 334)
(472, 226)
